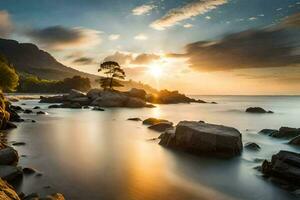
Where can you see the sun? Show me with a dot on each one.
(155, 71)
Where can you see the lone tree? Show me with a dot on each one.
(9, 79)
(113, 71)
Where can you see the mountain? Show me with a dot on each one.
(27, 58)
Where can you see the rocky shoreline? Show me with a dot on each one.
(10, 172)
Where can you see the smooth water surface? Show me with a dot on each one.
(89, 155)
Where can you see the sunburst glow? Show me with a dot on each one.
(155, 71)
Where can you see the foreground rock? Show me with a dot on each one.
(7, 192)
(284, 166)
(10, 173)
(8, 156)
(283, 132)
(161, 127)
(252, 146)
(257, 110)
(203, 139)
(295, 141)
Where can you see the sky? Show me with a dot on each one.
(209, 47)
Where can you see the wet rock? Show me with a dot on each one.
(94, 93)
(284, 166)
(28, 170)
(36, 107)
(54, 106)
(53, 99)
(269, 132)
(138, 93)
(161, 126)
(86, 107)
(41, 113)
(33, 121)
(71, 105)
(257, 110)
(135, 103)
(10, 125)
(84, 101)
(8, 156)
(74, 94)
(204, 139)
(152, 121)
(134, 119)
(10, 173)
(18, 143)
(28, 111)
(98, 109)
(295, 141)
(32, 196)
(287, 132)
(7, 192)
(252, 146)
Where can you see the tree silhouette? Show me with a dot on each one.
(113, 71)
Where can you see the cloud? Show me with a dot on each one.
(143, 9)
(193, 9)
(84, 61)
(188, 25)
(59, 37)
(6, 26)
(252, 18)
(141, 36)
(114, 37)
(126, 58)
(265, 48)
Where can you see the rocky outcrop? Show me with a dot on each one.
(161, 126)
(285, 166)
(257, 110)
(7, 192)
(204, 139)
(283, 132)
(8, 156)
(295, 141)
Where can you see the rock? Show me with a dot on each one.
(8, 156)
(86, 107)
(41, 113)
(287, 132)
(32, 196)
(152, 121)
(284, 165)
(204, 139)
(257, 110)
(53, 99)
(138, 93)
(71, 105)
(10, 173)
(28, 170)
(14, 116)
(27, 111)
(7, 192)
(10, 125)
(135, 103)
(252, 146)
(36, 107)
(16, 108)
(110, 99)
(295, 141)
(84, 101)
(170, 97)
(54, 106)
(134, 119)
(161, 126)
(94, 93)
(269, 132)
(19, 144)
(98, 109)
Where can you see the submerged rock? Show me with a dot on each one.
(152, 121)
(18, 143)
(269, 132)
(36, 107)
(252, 146)
(28, 111)
(10, 125)
(41, 113)
(10, 173)
(285, 166)
(283, 132)
(204, 139)
(161, 126)
(134, 119)
(54, 106)
(257, 110)
(28, 170)
(98, 109)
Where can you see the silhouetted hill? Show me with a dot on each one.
(28, 58)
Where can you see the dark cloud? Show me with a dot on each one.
(59, 37)
(129, 58)
(265, 48)
(84, 61)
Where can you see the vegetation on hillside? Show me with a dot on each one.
(8, 76)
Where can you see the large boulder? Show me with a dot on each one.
(170, 97)
(74, 94)
(138, 93)
(202, 138)
(295, 141)
(133, 102)
(257, 110)
(10, 173)
(84, 101)
(161, 127)
(7, 192)
(53, 99)
(94, 93)
(284, 165)
(110, 99)
(8, 156)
